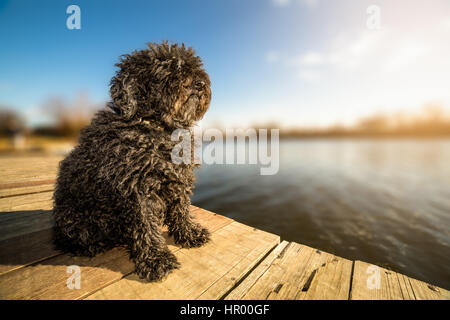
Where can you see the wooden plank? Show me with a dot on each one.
(25, 184)
(240, 290)
(28, 168)
(210, 219)
(35, 201)
(302, 272)
(425, 291)
(207, 272)
(21, 215)
(225, 283)
(46, 279)
(27, 174)
(25, 236)
(331, 281)
(30, 213)
(371, 282)
(16, 189)
(19, 223)
(26, 249)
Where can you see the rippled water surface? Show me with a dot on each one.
(385, 202)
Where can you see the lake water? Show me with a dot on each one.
(385, 202)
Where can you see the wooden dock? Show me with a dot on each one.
(240, 262)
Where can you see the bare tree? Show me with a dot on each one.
(70, 117)
(12, 125)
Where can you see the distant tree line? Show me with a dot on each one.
(431, 121)
(11, 122)
(68, 118)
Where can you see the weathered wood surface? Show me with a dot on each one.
(9, 190)
(27, 202)
(206, 273)
(300, 272)
(240, 262)
(47, 278)
(392, 285)
(26, 175)
(25, 169)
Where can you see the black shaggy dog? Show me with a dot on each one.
(119, 185)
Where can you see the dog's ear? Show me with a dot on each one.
(123, 96)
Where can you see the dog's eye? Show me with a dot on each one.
(199, 84)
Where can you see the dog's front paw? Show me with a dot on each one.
(194, 236)
(157, 266)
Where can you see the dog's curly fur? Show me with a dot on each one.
(119, 185)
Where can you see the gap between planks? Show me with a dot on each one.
(294, 271)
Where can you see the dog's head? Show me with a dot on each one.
(165, 82)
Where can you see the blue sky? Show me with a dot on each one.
(296, 62)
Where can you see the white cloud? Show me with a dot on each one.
(404, 56)
(350, 51)
(358, 71)
(310, 76)
(345, 52)
(374, 69)
(309, 59)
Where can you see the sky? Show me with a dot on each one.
(290, 62)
